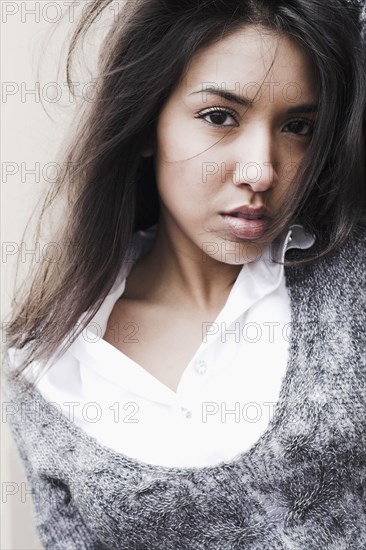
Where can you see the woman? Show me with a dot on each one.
(220, 131)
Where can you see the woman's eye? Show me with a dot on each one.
(218, 117)
(300, 127)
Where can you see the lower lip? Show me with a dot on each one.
(244, 228)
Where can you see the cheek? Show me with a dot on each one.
(291, 156)
(183, 201)
(175, 139)
(182, 181)
(191, 204)
(179, 166)
(289, 170)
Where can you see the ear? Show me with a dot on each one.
(147, 151)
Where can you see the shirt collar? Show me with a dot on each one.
(295, 237)
(263, 276)
(255, 279)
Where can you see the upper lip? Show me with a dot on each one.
(248, 211)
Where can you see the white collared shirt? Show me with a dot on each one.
(227, 393)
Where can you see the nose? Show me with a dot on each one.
(254, 161)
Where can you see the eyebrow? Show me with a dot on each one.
(303, 108)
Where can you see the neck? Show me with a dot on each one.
(179, 272)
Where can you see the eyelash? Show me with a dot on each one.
(217, 108)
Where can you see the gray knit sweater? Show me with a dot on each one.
(301, 486)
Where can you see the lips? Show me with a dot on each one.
(246, 222)
(248, 213)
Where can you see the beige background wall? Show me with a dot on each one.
(33, 43)
(29, 136)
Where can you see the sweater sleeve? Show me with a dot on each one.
(58, 521)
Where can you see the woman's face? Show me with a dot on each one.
(215, 154)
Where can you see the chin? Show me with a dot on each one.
(231, 252)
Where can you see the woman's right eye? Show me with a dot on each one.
(218, 116)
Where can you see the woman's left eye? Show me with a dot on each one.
(300, 127)
(218, 116)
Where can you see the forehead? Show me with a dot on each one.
(252, 55)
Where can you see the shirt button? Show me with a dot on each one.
(186, 412)
(200, 367)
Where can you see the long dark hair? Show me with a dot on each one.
(110, 189)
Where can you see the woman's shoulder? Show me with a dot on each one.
(342, 272)
(354, 246)
(359, 227)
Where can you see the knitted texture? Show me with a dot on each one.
(302, 486)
